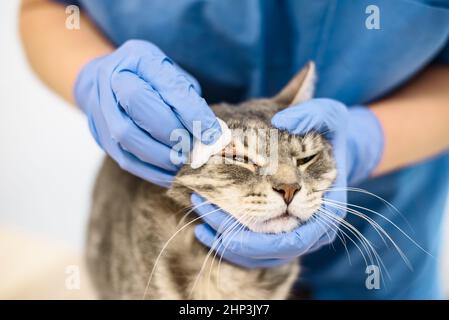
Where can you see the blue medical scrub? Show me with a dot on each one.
(243, 49)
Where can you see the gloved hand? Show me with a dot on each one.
(134, 98)
(357, 140)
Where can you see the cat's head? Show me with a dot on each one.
(272, 185)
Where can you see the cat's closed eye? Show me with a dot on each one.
(305, 160)
(240, 159)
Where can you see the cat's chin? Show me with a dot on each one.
(284, 223)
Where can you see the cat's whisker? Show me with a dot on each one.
(241, 227)
(214, 244)
(216, 247)
(366, 192)
(325, 230)
(376, 227)
(327, 227)
(165, 246)
(223, 228)
(252, 219)
(322, 226)
(192, 208)
(379, 230)
(338, 227)
(233, 233)
(337, 233)
(383, 217)
(349, 227)
(365, 242)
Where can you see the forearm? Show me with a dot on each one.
(56, 53)
(415, 120)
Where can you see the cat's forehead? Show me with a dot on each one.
(248, 125)
(299, 145)
(251, 130)
(253, 118)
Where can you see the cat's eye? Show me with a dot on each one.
(243, 160)
(305, 160)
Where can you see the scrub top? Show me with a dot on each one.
(244, 49)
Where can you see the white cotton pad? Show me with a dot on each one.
(202, 152)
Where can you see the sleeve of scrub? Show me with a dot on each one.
(444, 54)
(68, 2)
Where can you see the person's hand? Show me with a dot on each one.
(357, 142)
(134, 98)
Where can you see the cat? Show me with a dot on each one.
(133, 220)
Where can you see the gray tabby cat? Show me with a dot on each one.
(133, 222)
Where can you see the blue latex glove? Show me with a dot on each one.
(134, 98)
(357, 140)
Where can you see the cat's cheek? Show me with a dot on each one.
(304, 208)
(325, 180)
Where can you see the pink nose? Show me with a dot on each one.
(287, 191)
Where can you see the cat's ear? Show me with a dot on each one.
(301, 88)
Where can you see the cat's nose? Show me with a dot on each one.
(287, 190)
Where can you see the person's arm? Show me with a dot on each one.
(56, 53)
(134, 96)
(415, 120)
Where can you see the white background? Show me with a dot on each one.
(48, 159)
